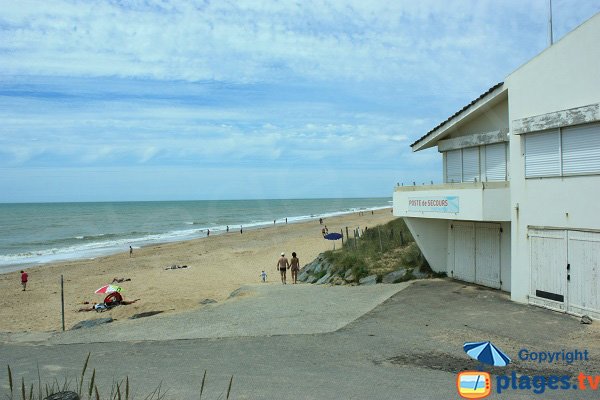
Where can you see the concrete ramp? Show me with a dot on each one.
(253, 310)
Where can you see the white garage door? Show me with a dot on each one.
(565, 269)
(583, 269)
(487, 255)
(464, 251)
(476, 253)
(548, 268)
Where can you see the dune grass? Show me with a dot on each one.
(378, 250)
(120, 390)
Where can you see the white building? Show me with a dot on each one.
(519, 208)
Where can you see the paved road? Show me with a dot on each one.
(410, 346)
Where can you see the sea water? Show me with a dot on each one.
(36, 233)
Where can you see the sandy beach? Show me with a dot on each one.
(217, 265)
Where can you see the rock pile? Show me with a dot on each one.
(320, 272)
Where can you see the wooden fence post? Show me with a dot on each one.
(62, 301)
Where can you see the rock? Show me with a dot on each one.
(394, 277)
(68, 395)
(145, 314)
(91, 323)
(417, 274)
(337, 280)
(312, 279)
(586, 320)
(324, 279)
(308, 268)
(328, 267)
(303, 276)
(318, 268)
(369, 280)
(350, 278)
(347, 274)
(208, 301)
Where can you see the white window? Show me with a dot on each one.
(495, 162)
(542, 154)
(581, 149)
(470, 164)
(561, 152)
(453, 166)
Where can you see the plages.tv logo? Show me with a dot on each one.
(473, 384)
(478, 384)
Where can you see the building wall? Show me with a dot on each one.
(434, 238)
(488, 120)
(562, 77)
(431, 235)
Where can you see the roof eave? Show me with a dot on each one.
(437, 133)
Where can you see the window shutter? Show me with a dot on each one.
(581, 149)
(470, 164)
(542, 156)
(453, 166)
(495, 162)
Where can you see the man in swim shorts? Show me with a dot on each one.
(282, 265)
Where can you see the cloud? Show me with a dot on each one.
(262, 41)
(340, 85)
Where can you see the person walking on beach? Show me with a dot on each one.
(24, 277)
(282, 265)
(294, 267)
(130, 251)
(263, 276)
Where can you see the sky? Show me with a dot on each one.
(186, 100)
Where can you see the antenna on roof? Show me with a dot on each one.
(550, 39)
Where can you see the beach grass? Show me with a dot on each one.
(379, 250)
(120, 390)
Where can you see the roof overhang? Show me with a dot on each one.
(487, 100)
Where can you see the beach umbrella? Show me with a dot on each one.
(486, 353)
(107, 289)
(333, 236)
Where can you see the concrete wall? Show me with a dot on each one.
(490, 119)
(478, 201)
(562, 77)
(505, 256)
(432, 237)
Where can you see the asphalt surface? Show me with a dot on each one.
(409, 346)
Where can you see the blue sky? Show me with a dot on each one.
(168, 100)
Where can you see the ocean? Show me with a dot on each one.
(36, 233)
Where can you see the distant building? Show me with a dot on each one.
(519, 209)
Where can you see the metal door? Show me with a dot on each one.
(583, 273)
(464, 251)
(548, 260)
(487, 255)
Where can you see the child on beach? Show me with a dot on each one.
(24, 277)
(263, 276)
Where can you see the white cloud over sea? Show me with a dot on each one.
(157, 99)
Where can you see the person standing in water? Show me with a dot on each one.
(294, 267)
(282, 265)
